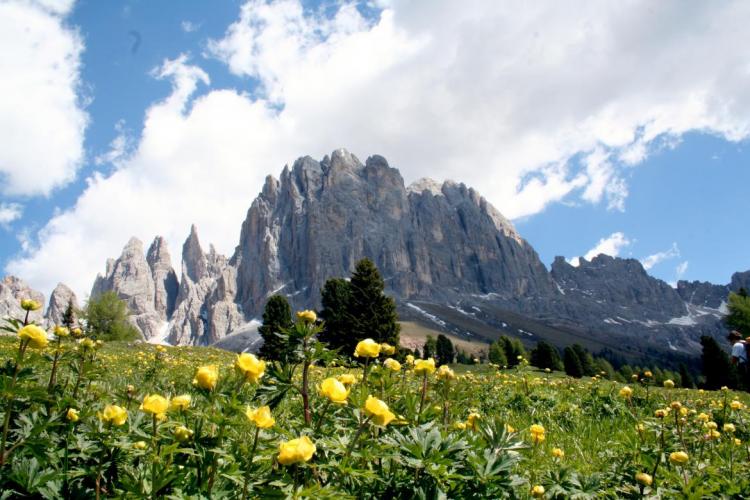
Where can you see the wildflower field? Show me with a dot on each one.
(85, 419)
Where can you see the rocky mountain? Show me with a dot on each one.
(451, 260)
(61, 297)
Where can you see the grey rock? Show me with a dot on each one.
(12, 291)
(58, 303)
(166, 285)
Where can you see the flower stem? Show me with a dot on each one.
(250, 464)
(424, 393)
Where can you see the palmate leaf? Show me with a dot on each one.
(276, 383)
(31, 479)
(11, 325)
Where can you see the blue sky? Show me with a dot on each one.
(594, 129)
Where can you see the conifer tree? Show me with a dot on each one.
(739, 313)
(497, 354)
(545, 355)
(444, 350)
(430, 347)
(68, 317)
(335, 298)
(373, 314)
(572, 363)
(277, 318)
(717, 369)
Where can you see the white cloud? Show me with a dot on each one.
(9, 212)
(652, 260)
(500, 95)
(42, 122)
(611, 245)
(189, 27)
(681, 269)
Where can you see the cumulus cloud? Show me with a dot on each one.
(681, 269)
(530, 103)
(42, 120)
(611, 245)
(652, 260)
(8, 213)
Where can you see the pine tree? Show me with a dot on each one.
(572, 363)
(587, 361)
(444, 350)
(430, 347)
(335, 298)
(106, 318)
(69, 317)
(277, 318)
(687, 378)
(373, 314)
(497, 354)
(739, 313)
(717, 369)
(545, 355)
(513, 349)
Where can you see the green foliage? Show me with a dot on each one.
(513, 348)
(573, 365)
(739, 313)
(277, 319)
(106, 318)
(444, 350)
(717, 369)
(69, 316)
(545, 355)
(586, 359)
(373, 314)
(335, 298)
(497, 354)
(430, 347)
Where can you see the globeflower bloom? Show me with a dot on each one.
(347, 378)
(307, 316)
(72, 415)
(735, 405)
(409, 359)
(261, 417)
(61, 331)
(34, 336)
(392, 364)
(537, 433)
(206, 377)
(424, 366)
(537, 491)
(669, 384)
(472, 420)
(626, 392)
(30, 305)
(729, 428)
(114, 414)
(182, 433)
(155, 404)
(250, 366)
(445, 373)
(180, 403)
(295, 451)
(378, 411)
(678, 457)
(367, 348)
(558, 453)
(334, 390)
(644, 479)
(387, 349)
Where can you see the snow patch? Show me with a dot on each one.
(162, 334)
(427, 315)
(611, 321)
(683, 321)
(559, 288)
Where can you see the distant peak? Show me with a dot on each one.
(425, 184)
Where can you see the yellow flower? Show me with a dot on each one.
(626, 392)
(537, 433)
(669, 384)
(661, 413)
(35, 336)
(459, 426)
(334, 390)
(472, 420)
(509, 429)
(424, 366)
(114, 414)
(735, 405)
(703, 417)
(77, 332)
(155, 404)
(182, 433)
(307, 316)
(61, 331)
(678, 457)
(347, 378)
(409, 359)
(634, 377)
(387, 349)
(295, 451)
(30, 305)
(724, 388)
(558, 453)
(139, 445)
(86, 344)
(261, 417)
(537, 491)
(737, 442)
(445, 373)
(72, 415)
(367, 348)
(392, 364)
(644, 479)
(250, 366)
(640, 428)
(378, 410)
(712, 425)
(180, 403)
(206, 377)
(676, 405)
(729, 428)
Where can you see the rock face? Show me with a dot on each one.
(58, 303)
(445, 253)
(12, 291)
(147, 285)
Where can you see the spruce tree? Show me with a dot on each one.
(572, 363)
(335, 298)
(277, 318)
(545, 355)
(717, 369)
(373, 314)
(587, 361)
(739, 313)
(107, 316)
(430, 347)
(686, 377)
(497, 354)
(444, 350)
(69, 317)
